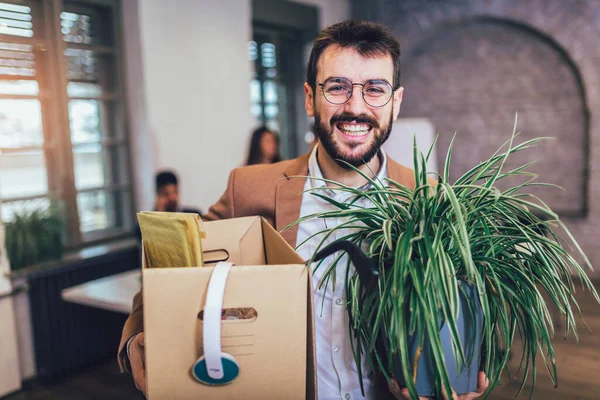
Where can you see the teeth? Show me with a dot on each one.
(354, 130)
(354, 133)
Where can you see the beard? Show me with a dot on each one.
(326, 136)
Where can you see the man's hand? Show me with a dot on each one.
(160, 204)
(482, 385)
(137, 359)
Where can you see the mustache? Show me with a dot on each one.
(359, 119)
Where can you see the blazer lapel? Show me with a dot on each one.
(288, 198)
(400, 174)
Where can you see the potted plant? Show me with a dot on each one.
(34, 236)
(452, 275)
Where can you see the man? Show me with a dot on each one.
(167, 193)
(353, 92)
(167, 196)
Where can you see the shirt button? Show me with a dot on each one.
(337, 349)
(338, 302)
(347, 396)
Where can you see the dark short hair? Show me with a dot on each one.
(164, 178)
(367, 38)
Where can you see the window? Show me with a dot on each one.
(62, 121)
(277, 61)
(264, 94)
(274, 55)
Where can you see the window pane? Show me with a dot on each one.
(16, 8)
(10, 208)
(270, 92)
(84, 120)
(256, 110)
(15, 20)
(17, 59)
(94, 211)
(23, 174)
(89, 166)
(82, 65)
(76, 28)
(20, 123)
(268, 55)
(19, 87)
(103, 209)
(80, 89)
(255, 91)
(271, 111)
(252, 51)
(271, 73)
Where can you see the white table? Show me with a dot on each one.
(114, 293)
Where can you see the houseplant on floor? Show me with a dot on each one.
(442, 253)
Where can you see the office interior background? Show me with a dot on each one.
(96, 96)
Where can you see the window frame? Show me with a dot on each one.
(58, 149)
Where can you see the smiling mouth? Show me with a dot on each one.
(356, 130)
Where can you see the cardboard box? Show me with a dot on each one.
(275, 351)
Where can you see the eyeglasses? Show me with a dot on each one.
(376, 92)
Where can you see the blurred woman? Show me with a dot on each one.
(264, 147)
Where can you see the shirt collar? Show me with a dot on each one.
(314, 171)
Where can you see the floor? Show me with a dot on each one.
(103, 382)
(578, 371)
(578, 363)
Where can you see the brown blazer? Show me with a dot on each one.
(268, 190)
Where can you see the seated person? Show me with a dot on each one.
(167, 196)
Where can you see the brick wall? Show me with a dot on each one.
(469, 65)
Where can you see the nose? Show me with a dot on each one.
(356, 104)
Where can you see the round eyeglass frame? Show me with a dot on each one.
(362, 91)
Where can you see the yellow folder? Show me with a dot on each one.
(172, 239)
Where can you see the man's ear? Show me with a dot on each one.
(309, 100)
(397, 101)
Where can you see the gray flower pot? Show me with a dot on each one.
(470, 329)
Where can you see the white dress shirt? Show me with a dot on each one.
(337, 375)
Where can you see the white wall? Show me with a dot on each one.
(195, 73)
(10, 376)
(143, 158)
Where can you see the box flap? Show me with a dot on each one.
(240, 238)
(277, 250)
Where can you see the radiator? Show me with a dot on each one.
(66, 336)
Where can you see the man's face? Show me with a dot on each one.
(353, 131)
(168, 198)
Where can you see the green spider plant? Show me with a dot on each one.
(34, 236)
(425, 240)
